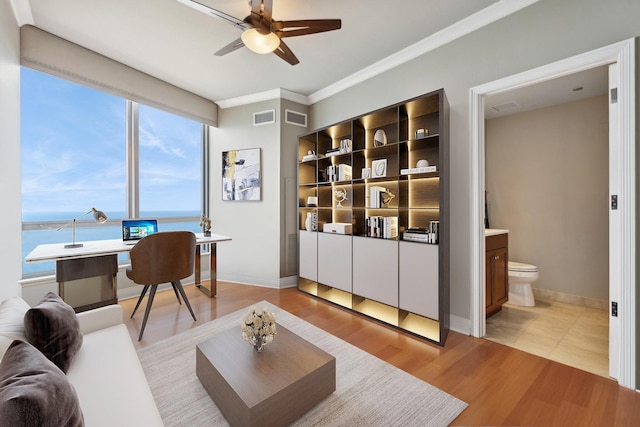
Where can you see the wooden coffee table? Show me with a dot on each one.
(274, 387)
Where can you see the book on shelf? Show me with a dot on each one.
(344, 172)
(382, 227)
(413, 237)
(340, 172)
(424, 235)
(375, 196)
(425, 169)
(309, 157)
(334, 152)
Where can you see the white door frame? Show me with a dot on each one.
(622, 251)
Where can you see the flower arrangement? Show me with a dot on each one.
(258, 327)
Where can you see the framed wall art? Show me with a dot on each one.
(379, 168)
(241, 175)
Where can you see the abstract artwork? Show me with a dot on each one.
(241, 174)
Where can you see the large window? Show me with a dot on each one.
(170, 147)
(74, 157)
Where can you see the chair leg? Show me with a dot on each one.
(144, 291)
(184, 297)
(152, 294)
(175, 290)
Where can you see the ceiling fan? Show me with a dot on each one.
(262, 34)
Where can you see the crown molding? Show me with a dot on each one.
(22, 12)
(461, 28)
(263, 96)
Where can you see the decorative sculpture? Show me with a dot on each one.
(205, 223)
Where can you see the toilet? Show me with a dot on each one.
(521, 276)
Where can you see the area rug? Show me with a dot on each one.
(369, 391)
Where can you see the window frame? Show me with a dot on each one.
(132, 165)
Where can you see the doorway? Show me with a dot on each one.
(547, 182)
(621, 185)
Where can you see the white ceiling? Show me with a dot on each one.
(174, 42)
(574, 87)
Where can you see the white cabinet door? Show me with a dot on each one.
(419, 279)
(375, 269)
(308, 247)
(334, 260)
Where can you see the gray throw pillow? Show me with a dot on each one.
(53, 328)
(34, 392)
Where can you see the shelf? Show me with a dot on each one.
(424, 175)
(430, 136)
(418, 243)
(328, 183)
(410, 295)
(392, 239)
(333, 157)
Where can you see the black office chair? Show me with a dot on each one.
(165, 257)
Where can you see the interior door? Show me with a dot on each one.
(614, 182)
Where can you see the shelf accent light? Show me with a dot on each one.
(260, 43)
(98, 216)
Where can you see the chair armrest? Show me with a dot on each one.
(100, 318)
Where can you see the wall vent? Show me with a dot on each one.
(510, 105)
(295, 118)
(264, 117)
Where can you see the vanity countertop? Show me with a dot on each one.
(494, 231)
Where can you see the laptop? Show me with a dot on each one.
(135, 229)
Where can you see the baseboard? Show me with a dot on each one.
(279, 283)
(459, 324)
(570, 299)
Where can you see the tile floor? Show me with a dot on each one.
(574, 335)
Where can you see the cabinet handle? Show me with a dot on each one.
(497, 256)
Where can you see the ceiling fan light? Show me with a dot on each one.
(260, 43)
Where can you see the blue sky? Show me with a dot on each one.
(73, 151)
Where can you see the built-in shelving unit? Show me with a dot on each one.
(380, 183)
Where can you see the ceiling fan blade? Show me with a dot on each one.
(285, 53)
(234, 45)
(194, 4)
(304, 27)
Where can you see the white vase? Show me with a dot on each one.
(311, 223)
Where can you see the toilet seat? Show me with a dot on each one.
(522, 267)
(521, 276)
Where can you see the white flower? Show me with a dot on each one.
(258, 322)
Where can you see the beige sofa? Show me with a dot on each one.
(106, 373)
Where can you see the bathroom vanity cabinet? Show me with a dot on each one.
(497, 279)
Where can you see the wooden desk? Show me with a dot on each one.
(272, 388)
(96, 259)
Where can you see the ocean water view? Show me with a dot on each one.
(40, 228)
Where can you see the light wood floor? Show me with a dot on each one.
(502, 385)
(574, 335)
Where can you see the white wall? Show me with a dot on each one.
(264, 246)
(289, 179)
(547, 181)
(253, 256)
(542, 33)
(11, 213)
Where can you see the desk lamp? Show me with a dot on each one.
(99, 216)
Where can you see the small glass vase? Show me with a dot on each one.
(261, 342)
